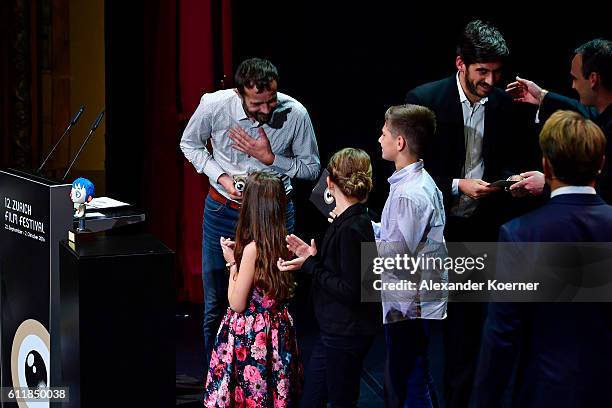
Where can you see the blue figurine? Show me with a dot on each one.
(82, 192)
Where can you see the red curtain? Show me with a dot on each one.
(184, 38)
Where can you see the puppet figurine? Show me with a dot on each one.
(82, 192)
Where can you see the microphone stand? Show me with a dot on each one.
(93, 129)
(72, 123)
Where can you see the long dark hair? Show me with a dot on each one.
(262, 219)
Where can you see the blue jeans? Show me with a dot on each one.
(408, 381)
(219, 221)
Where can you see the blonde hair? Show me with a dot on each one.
(351, 170)
(574, 146)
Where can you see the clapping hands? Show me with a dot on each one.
(227, 246)
(301, 250)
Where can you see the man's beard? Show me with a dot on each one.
(473, 87)
(258, 116)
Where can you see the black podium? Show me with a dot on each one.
(99, 322)
(116, 322)
(37, 214)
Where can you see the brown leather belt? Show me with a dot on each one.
(218, 197)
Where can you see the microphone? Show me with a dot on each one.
(73, 122)
(94, 126)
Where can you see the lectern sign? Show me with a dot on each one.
(17, 219)
(36, 215)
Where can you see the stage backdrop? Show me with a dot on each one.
(159, 63)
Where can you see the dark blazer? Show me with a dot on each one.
(553, 102)
(336, 273)
(564, 349)
(444, 156)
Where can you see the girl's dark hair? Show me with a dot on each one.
(262, 219)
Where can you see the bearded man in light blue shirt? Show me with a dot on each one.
(251, 128)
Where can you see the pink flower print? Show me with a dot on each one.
(223, 398)
(211, 400)
(267, 302)
(258, 388)
(250, 403)
(214, 359)
(239, 328)
(251, 373)
(274, 337)
(283, 388)
(260, 339)
(248, 324)
(225, 353)
(258, 353)
(259, 323)
(239, 396)
(241, 353)
(280, 403)
(219, 369)
(277, 363)
(221, 350)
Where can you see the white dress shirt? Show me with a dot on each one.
(573, 190)
(412, 222)
(473, 168)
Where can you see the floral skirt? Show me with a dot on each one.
(255, 361)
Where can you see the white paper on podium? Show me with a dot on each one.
(105, 202)
(93, 214)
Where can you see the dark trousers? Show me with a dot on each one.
(334, 371)
(462, 337)
(463, 326)
(408, 381)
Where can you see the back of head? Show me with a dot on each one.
(597, 57)
(262, 219)
(416, 123)
(255, 72)
(574, 146)
(351, 170)
(481, 42)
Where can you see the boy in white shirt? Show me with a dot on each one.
(412, 223)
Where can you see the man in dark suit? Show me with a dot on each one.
(565, 349)
(591, 71)
(470, 146)
(470, 149)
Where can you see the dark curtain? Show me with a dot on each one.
(5, 81)
(34, 51)
(17, 84)
(187, 53)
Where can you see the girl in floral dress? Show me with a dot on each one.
(255, 362)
